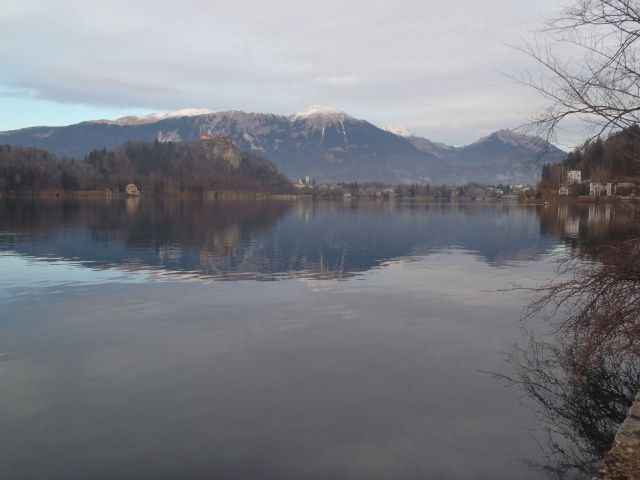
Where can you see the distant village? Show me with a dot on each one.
(571, 184)
(472, 191)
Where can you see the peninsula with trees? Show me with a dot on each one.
(214, 164)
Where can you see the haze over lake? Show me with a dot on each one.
(149, 339)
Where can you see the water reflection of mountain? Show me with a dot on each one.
(270, 239)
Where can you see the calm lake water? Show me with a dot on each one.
(145, 339)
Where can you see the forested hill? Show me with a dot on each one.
(616, 158)
(212, 164)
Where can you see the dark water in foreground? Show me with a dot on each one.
(182, 339)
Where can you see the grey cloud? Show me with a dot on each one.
(411, 62)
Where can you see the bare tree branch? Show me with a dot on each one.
(601, 88)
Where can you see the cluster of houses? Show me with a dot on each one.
(340, 189)
(475, 192)
(596, 189)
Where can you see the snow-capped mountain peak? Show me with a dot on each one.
(399, 130)
(514, 138)
(314, 111)
(156, 117)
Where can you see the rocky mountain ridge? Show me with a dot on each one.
(324, 143)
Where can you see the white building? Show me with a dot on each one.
(563, 191)
(574, 176)
(611, 190)
(597, 189)
(304, 182)
(132, 191)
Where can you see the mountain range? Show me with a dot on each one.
(323, 143)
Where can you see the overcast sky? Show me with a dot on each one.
(431, 66)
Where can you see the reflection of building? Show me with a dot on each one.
(574, 176)
(132, 203)
(563, 212)
(572, 227)
(579, 221)
(599, 217)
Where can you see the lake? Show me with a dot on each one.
(158, 339)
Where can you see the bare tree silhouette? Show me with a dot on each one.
(598, 83)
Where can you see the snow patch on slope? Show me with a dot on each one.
(514, 139)
(328, 113)
(399, 130)
(167, 137)
(156, 117)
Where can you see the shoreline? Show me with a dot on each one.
(623, 460)
(248, 195)
(98, 194)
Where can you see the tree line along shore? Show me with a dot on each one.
(216, 165)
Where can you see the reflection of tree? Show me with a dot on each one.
(582, 393)
(584, 380)
(176, 234)
(585, 223)
(264, 239)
